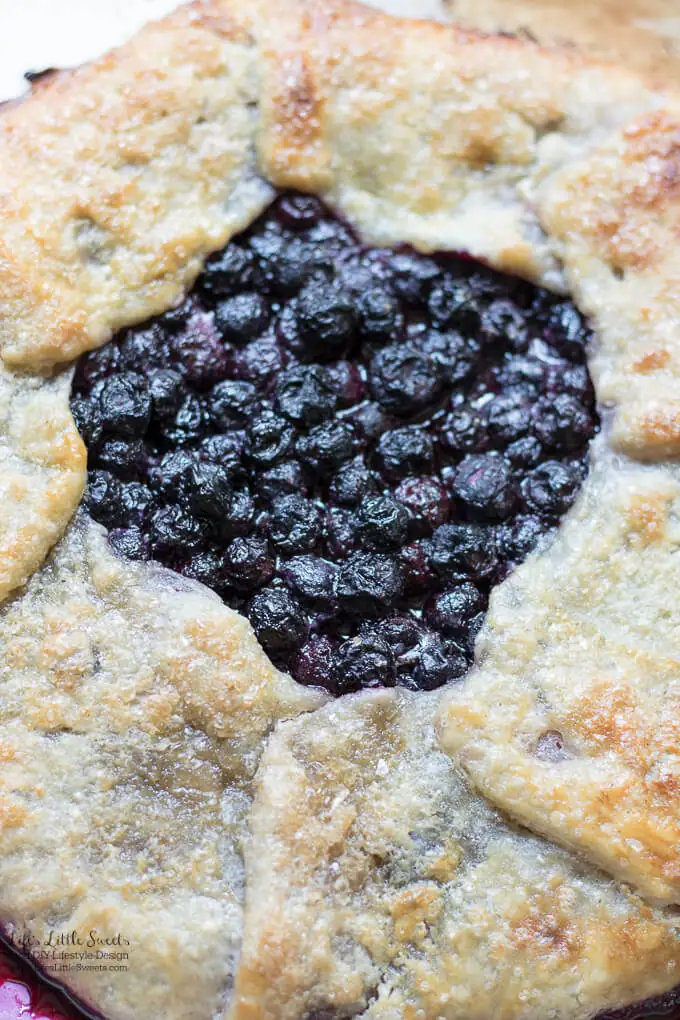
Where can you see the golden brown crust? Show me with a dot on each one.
(583, 641)
(616, 217)
(118, 179)
(378, 885)
(116, 182)
(42, 472)
(643, 35)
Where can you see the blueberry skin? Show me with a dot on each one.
(125, 405)
(381, 523)
(295, 525)
(404, 380)
(364, 661)
(278, 620)
(369, 582)
(485, 484)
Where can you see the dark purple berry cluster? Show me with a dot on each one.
(350, 445)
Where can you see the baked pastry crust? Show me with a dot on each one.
(582, 641)
(639, 34)
(379, 885)
(117, 181)
(134, 707)
(42, 471)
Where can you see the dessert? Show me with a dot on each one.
(360, 437)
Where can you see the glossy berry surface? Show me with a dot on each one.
(350, 445)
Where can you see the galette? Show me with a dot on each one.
(340, 524)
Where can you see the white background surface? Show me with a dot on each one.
(35, 34)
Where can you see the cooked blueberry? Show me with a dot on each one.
(171, 478)
(231, 403)
(278, 620)
(562, 423)
(232, 269)
(270, 438)
(460, 551)
(551, 488)
(96, 367)
(103, 498)
(438, 663)
(242, 318)
(239, 518)
(427, 503)
(166, 390)
(187, 425)
(283, 479)
(88, 419)
(326, 319)
(135, 499)
(564, 377)
(370, 420)
(485, 485)
(130, 543)
(365, 661)
(412, 277)
(524, 453)
(210, 490)
(126, 458)
(305, 395)
(297, 263)
(519, 537)
(404, 451)
(326, 447)
(174, 530)
(125, 405)
(259, 362)
(381, 523)
(503, 323)
(347, 381)
(314, 665)
(404, 380)
(464, 431)
(508, 418)
(299, 211)
(339, 533)
(176, 318)
(295, 524)
(378, 314)
(401, 632)
(450, 611)
(419, 572)
(352, 483)
(225, 449)
(205, 567)
(313, 579)
(455, 355)
(248, 563)
(369, 582)
(566, 330)
(452, 305)
(523, 374)
(356, 440)
(140, 349)
(200, 355)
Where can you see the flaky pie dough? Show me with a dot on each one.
(392, 855)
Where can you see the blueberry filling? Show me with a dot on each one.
(349, 445)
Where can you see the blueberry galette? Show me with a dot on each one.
(340, 676)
